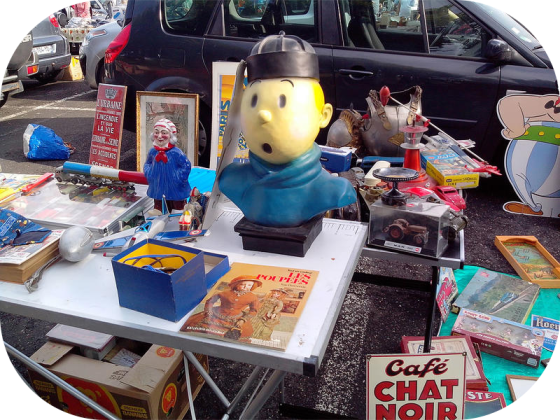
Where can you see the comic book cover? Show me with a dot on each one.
(253, 304)
(447, 291)
(550, 328)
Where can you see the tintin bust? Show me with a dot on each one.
(282, 110)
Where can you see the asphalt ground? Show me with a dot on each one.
(373, 316)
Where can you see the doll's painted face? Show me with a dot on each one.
(162, 137)
(281, 118)
(244, 286)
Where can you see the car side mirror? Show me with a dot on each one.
(498, 51)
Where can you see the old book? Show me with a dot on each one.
(499, 295)
(253, 304)
(18, 263)
(474, 372)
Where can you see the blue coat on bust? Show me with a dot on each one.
(284, 195)
(169, 177)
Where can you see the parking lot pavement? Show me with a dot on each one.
(373, 317)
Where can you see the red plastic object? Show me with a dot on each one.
(450, 194)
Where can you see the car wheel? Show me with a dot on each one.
(418, 240)
(204, 135)
(100, 73)
(396, 233)
(3, 101)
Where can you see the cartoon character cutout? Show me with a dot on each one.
(532, 160)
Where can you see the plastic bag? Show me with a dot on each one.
(42, 143)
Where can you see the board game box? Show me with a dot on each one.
(498, 295)
(448, 168)
(500, 337)
(482, 403)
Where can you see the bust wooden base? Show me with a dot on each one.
(294, 241)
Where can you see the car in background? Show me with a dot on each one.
(92, 52)
(464, 55)
(52, 49)
(24, 62)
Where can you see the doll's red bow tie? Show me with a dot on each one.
(162, 152)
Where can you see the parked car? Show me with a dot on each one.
(92, 52)
(52, 48)
(24, 62)
(465, 55)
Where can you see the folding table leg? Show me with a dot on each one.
(431, 309)
(262, 397)
(207, 378)
(243, 391)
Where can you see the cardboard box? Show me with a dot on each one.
(417, 227)
(500, 337)
(155, 292)
(73, 71)
(155, 388)
(448, 168)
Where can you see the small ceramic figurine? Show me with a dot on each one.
(167, 168)
(282, 110)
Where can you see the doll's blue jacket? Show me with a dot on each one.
(284, 195)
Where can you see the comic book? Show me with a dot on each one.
(498, 295)
(253, 304)
(447, 291)
(18, 263)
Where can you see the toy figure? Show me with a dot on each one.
(231, 318)
(282, 110)
(167, 168)
(532, 161)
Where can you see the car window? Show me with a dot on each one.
(452, 32)
(259, 18)
(396, 25)
(187, 17)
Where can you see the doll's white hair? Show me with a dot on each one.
(169, 126)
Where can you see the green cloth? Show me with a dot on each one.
(496, 368)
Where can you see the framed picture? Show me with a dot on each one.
(180, 108)
(519, 385)
(223, 79)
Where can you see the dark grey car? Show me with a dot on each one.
(52, 49)
(465, 55)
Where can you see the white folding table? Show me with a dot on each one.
(84, 295)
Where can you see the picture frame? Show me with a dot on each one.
(519, 385)
(181, 108)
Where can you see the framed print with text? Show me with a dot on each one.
(180, 108)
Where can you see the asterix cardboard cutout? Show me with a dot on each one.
(532, 160)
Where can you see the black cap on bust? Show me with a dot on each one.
(282, 56)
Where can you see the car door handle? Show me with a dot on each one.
(355, 74)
